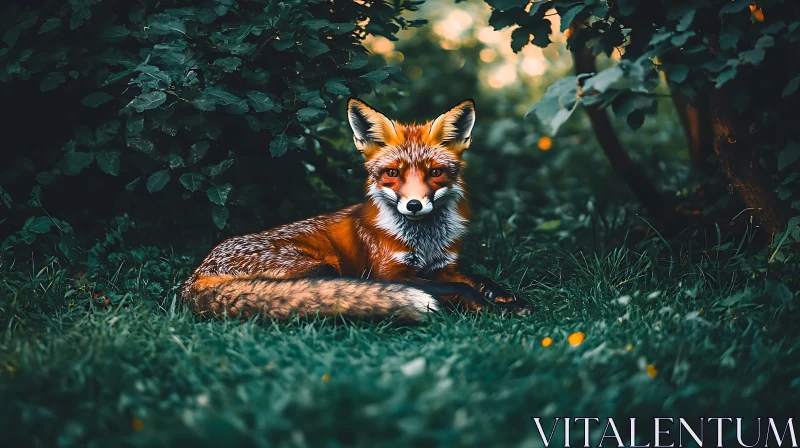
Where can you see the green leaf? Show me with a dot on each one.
(789, 155)
(791, 178)
(729, 38)
(157, 181)
(51, 80)
(41, 224)
(74, 162)
(677, 73)
(539, 8)
(356, 61)
(783, 193)
(686, 20)
(679, 40)
(311, 115)
(192, 181)
(634, 106)
(174, 160)
(344, 28)
(229, 65)
(253, 123)
(313, 48)
(219, 214)
(376, 76)
(115, 33)
(206, 15)
(132, 184)
(337, 86)
(791, 87)
(317, 24)
(198, 150)
(80, 12)
(6, 198)
(221, 167)
(36, 197)
(734, 6)
(774, 28)
(627, 7)
(214, 96)
(569, 16)
(141, 144)
(519, 38)
(725, 76)
(557, 105)
(218, 194)
(312, 99)
(95, 99)
(600, 82)
(149, 100)
(135, 124)
(108, 161)
(260, 101)
(166, 25)
(10, 37)
(279, 145)
(502, 19)
(125, 74)
(765, 42)
(47, 177)
(753, 57)
(53, 23)
(507, 4)
(283, 45)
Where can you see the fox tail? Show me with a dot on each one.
(280, 299)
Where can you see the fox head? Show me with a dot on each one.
(414, 169)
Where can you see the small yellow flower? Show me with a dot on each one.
(575, 339)
(546, 342)
(326, 377)
(629, 347)
(11, 369)
(545, 143)
(137, 425)
(71, 304)
(652, 371)
(757, 13)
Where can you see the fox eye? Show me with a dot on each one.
(391, 172)
(436, 172)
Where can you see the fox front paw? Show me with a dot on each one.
(492, 291)
(506, 302)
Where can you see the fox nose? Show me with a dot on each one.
(414, 206)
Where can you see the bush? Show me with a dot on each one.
(177, 110)
(731, 67)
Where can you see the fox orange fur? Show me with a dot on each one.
(394, 254)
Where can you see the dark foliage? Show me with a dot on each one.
(170, 111)
(732, 67)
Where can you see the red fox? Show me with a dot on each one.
(394, 254)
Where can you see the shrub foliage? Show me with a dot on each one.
(179, 100)
(731, 67)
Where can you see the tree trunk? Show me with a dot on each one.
(739, 157)
(631, 172)
(695, 116)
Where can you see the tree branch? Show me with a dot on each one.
(631, 172)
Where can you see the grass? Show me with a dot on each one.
(663, 335)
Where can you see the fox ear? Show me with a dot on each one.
(453, 129)
(372, 130)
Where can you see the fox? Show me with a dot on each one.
(394, 254)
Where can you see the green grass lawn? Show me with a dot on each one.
(664, 336)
